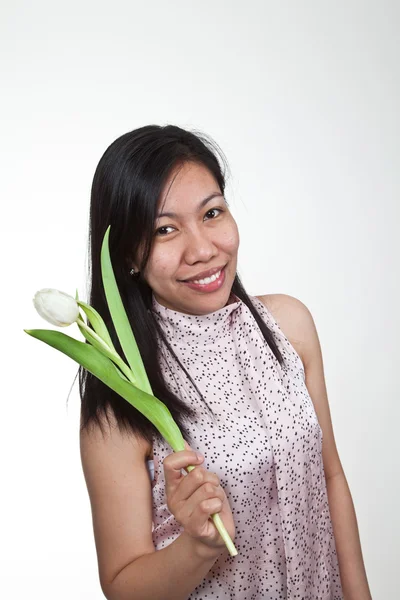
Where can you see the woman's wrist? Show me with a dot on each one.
(203, 551)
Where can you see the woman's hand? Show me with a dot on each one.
(193, 498)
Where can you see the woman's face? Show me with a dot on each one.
(195, 238)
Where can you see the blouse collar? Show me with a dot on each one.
(195, 329)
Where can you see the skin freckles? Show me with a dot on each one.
(192, 240)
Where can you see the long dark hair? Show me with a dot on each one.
(127, 184)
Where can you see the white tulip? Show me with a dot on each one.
(56, 307)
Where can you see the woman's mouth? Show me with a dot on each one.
(208, 284)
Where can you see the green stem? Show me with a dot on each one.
(113, 355)
(127, 371)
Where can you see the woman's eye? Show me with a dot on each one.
(212, 213)
(213, 210)
(161, 230)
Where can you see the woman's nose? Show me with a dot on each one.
(199, 247)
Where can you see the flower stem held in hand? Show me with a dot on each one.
(100, 358)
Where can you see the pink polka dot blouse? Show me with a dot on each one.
(265, 444)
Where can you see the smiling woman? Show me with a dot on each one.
(231, 379)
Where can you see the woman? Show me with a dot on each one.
(247, 393)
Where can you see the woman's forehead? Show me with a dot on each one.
(186, 188)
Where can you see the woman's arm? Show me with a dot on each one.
(168, 574)
(297, 324)
(121, 502)
(347, 539)
(344, 522)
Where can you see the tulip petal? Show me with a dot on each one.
(97, 323)
(120, 319)
(104, 369)
(58, 308)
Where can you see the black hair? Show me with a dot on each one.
(127, 185)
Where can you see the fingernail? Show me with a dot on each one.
(199, 456)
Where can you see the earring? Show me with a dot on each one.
(134, 273)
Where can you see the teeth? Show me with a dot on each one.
(207, 279)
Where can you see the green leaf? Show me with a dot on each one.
(92, 340)
(104, 369)
(97, 323)
(151, 407)
(120, 319)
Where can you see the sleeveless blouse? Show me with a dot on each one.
(265, 445)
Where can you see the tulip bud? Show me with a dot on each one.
(56, 307)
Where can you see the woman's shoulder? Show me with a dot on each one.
(290, 314)
(274, 303)
(268, 299)
(106, 433)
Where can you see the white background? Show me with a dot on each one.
(303, 97)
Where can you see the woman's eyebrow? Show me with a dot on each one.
(172, 215)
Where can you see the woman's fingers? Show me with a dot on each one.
(195, 513)
(205, 497)
(174, 463)
(189, 483)
(197, 478)
(194, 497)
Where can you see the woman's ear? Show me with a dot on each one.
(131, 264)
(134, 271)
